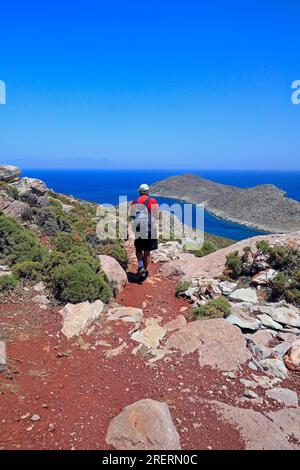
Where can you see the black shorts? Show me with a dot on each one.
(148, 244)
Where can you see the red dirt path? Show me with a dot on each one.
(76, 390)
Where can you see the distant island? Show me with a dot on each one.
(264, 207)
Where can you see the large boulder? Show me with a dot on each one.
(288, 420)
(220, 345)
(12, 207)
(9, 173)
(145, 425)
(292, 358)
(30, 185)
(115, 273)
(126, 314)
(283, 395)
(78, 317)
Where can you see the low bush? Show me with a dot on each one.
(64, 241)
(7, 282)
(78, 282)
(28, 270)
(217, 308)
(233, 265)
(283, 259)
(18, 244)
(181, 287)
(207, 248)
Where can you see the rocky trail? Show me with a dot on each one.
(59, 393)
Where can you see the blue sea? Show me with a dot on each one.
(105, 186)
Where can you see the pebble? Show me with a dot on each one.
(252, 365)
(231, 375)
(51, 427)
(250, 394)
(35, 418)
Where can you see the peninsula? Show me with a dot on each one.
(264, 207)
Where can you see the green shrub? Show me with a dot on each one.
(28, 270)
(217, 308)
(83, 254)
(64, 241)
(49, 222)
(233, 265)
(181, 287)
(13, 192)
(286, 287)
(78, 283)
(207, 248)
(50, 263)
(279, 284)
(17, 244)
(7, 282)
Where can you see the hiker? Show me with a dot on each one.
(144, 213)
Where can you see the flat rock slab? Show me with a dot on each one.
(243, 321)
(116, 351)
(286, 315)
(176, 324)
(244, 295)
(150, 336)
(288, 420)
(41, 299)
(257, 431)
(267, 321)
(283, 395)
(2, 353)
(227, 287)
(145, 425)
(261, 337)
(260, 381)
(220, 344)
(78, 317)
(276, 367)
(126, 314)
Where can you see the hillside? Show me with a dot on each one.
(263, 207)
(204, 354)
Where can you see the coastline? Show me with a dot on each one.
(266, 230)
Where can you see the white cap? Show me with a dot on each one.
(144, 187)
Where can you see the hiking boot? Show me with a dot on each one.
(142, 273)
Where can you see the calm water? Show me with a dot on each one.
(105, 186)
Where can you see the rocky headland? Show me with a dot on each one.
(263, 207)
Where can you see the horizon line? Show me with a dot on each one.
(275, 170)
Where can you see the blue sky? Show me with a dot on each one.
(161, 84)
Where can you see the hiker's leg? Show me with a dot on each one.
(147, 257)
(140, 257)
